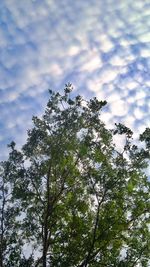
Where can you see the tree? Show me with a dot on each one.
(10, 241)
(76, 200)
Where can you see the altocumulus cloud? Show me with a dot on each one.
(103, 48)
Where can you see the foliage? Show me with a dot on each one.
(71, 196)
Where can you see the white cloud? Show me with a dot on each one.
(145, 37)
(118, 61)
(131, 85)
(74, 50)
(119, 108)
(145, 52)
(107, 75)
(105, 43)
(138, 113)
(93, 62)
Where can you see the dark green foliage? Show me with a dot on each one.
(71, 196)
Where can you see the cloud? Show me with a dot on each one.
(101, 47)
(119, 108)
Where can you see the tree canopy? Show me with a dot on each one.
(69, 198)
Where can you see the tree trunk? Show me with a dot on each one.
(45, 243)
(1, 258)
(46, 217)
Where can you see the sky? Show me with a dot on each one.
(101, 46)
